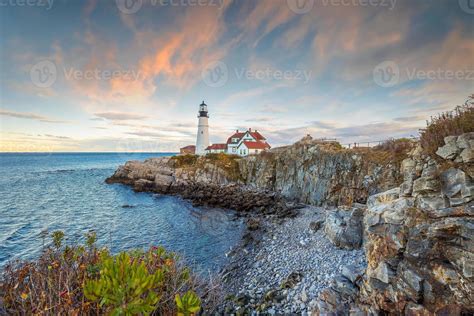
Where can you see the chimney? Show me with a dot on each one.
(250, 129)
(236, 130)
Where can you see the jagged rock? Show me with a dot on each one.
(465, 140)
(458, 148)
(291, 280)
(450, 150)
(142, 185)
(425, 185)
(383, 197)
(353, 273)
(163, 179)
(457, 186)
(431, 202)
(344, 228)
(467, 155)
(316, 225)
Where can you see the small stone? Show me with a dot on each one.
(304, 297)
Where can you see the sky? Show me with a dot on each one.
(129, 75)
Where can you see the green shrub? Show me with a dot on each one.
(452, 123)
(125, 286)
(86, 280)
(188, 304)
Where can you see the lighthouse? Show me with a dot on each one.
(202, 140)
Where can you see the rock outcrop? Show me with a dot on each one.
(419, 243)
(318, 173)
(206, 184)
(458, 148)
(310, 172)
(344, 227)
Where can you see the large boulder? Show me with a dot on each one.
(457, 186)
(450, 150)
(344, 227)
(458, 148)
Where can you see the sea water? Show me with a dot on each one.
(42, 192)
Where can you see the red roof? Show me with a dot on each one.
(216, 147)
(257, 145)
(236, 135)
(256, 135)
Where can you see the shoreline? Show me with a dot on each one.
(262, 276)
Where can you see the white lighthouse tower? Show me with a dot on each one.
(203, 130)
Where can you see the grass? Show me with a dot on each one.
(452, 123)
(228, 163)
(390, 151)
(86, 280)
(182, 161)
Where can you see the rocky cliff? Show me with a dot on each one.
(306, 172)
(320, 174)
(419, 241)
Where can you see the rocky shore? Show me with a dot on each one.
(156, 175)
(286, 270)
(393, 238)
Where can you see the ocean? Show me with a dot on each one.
(66, 191)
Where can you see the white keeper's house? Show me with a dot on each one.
(242, 143)
(245, 143)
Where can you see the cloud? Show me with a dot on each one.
(415, 118)
(260, 119)
(322, 125)
(120, 116)
(30, 116)
(55, 136)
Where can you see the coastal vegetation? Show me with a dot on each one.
(451, 123)
(393, 150)
(87, 280)
(228, 163)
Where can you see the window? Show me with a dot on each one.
(234, 149)
(256, 151)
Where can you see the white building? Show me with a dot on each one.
(216, 149)
(242, 144)
(202, 141)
